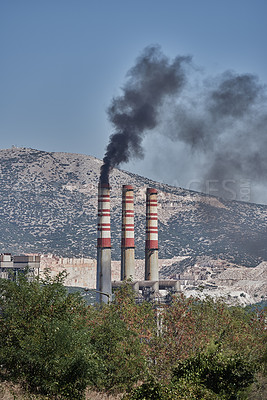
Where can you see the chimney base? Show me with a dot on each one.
(127, 264)
(103, 282)
(151, 265)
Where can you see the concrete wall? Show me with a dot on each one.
(82, 271)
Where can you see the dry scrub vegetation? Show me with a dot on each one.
(54, 346)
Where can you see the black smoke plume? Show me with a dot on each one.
(226, 127)
(221, 121)
(150, 81)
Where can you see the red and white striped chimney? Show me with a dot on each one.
(127, 234)
(103, 279)
(151, 252)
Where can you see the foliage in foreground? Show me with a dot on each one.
(184, 390)
(208, 375)
(57, 346)
(119, 349)
(225, 374)
(43, 340)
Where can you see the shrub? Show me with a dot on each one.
(190, 325)
(225, 374)
(123, 361)
(43, 339)
(183, 390)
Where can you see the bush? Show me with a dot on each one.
(43, 339)
(150, 390)
(190, 325)
(225, 374)
(184, 390)
(123, 361)
(56, 345)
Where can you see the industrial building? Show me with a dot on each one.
(151, 289)
(11, 266)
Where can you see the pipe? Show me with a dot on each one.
(127, 234)
(151, 249)
(103, 278)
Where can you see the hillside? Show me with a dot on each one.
(49, 205)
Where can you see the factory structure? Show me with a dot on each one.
(11, 266)
(151, 289)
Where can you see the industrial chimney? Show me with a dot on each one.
(103, 279)
(151, 252)
(127, 234)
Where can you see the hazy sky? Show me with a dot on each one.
(62, 62)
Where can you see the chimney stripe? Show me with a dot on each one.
(103, 226)
(103, 276)
(127, 214)
(151, 219)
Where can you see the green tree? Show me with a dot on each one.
(115, 332)
(43, 339)
(184, 390)
(190, 325)
(226, 374)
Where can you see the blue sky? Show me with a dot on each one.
(62, 61)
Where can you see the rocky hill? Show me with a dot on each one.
(48, 204)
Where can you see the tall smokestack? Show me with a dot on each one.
(127, 233)
(151, 256)
(103, 281)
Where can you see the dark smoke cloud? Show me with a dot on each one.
(234, 95)
(150, 81)
(221, 120)
(227, 127)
